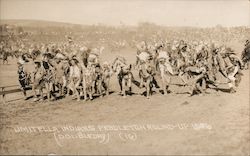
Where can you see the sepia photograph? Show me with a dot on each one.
(125, 77)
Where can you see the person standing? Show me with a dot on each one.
(74, 77)
(22, 77)
(48, 76)
(38, 84)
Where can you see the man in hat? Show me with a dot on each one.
(22, 77)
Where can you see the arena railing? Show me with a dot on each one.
(15, 89)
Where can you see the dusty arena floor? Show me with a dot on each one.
(176, 124)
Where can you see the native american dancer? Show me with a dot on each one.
(59, 76)
(75, 78)
(107, 73)
(196, 78)
(164, 67)
(146, 72)
(38, 81)
(229, 65)
(124, 74)
(88, 83)
(49, 76)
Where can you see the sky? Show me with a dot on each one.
(199, 13)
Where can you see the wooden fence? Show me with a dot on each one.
(10, 89)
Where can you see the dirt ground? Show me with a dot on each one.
(214, 124)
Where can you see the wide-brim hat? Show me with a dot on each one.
(59, 56)
(105, 63)
(95, 51)
(247, 42)
(182, 46)
(127, 67)
(37, 61)
(48, 54)
(229, 51)
(20, 62)
(83, 49)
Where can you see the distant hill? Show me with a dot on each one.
(44, 23)
(37, 23)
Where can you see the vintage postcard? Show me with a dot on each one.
(124, 77)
